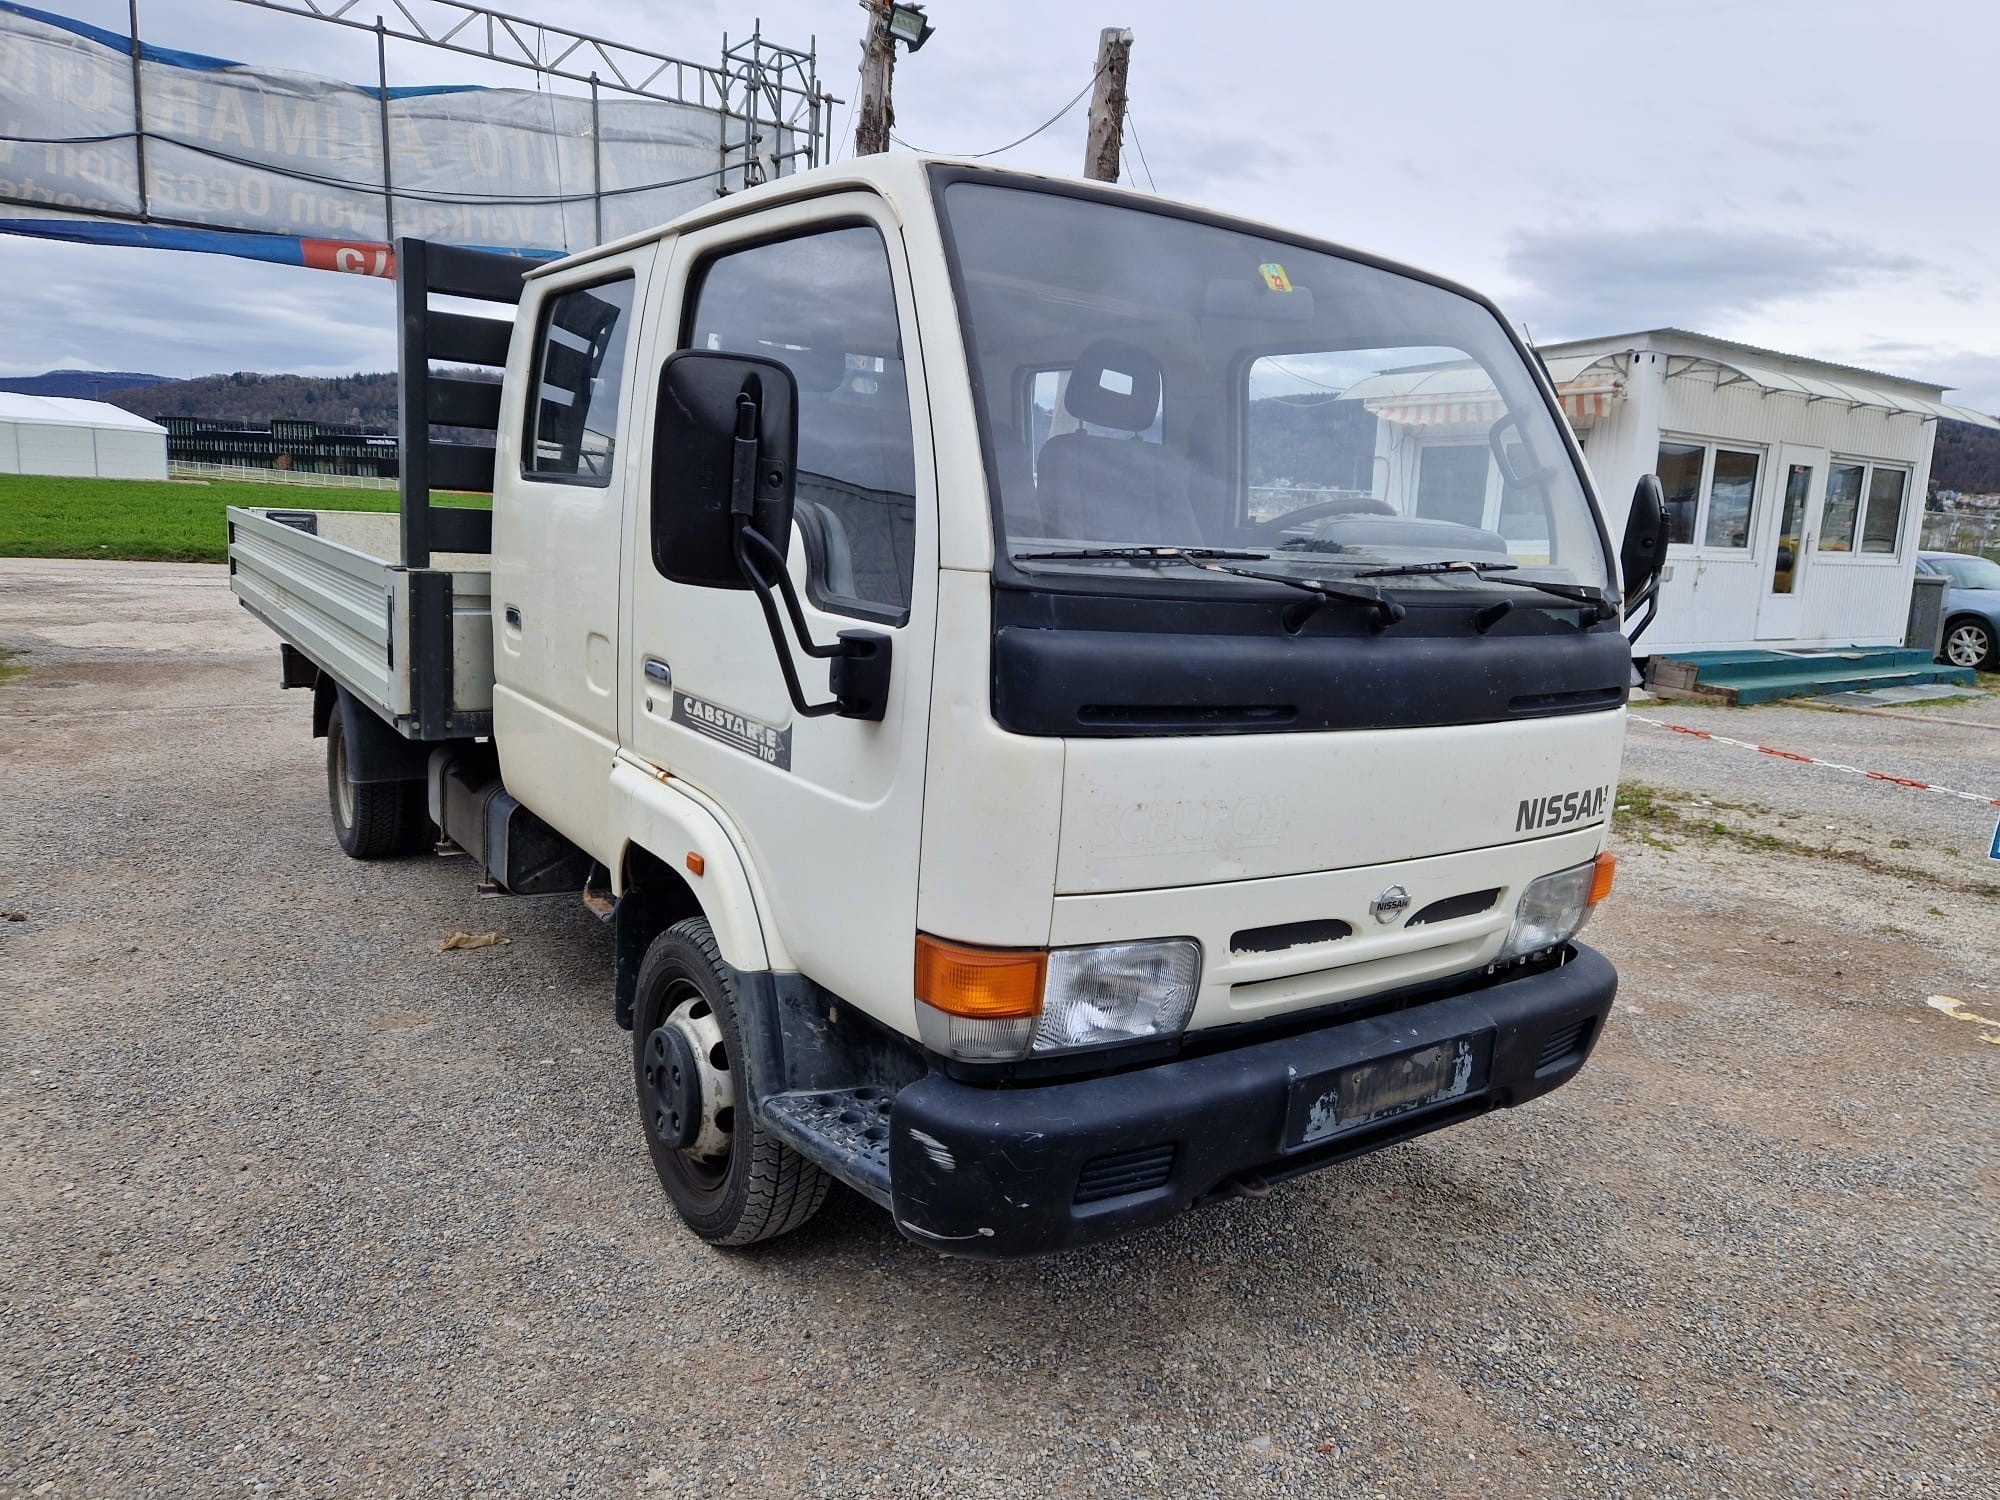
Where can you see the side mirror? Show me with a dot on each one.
(1643, 554)
(724, 440)
(1644, 551)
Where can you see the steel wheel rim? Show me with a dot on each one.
(685, 1009)
(343, 789)
(1967, 646)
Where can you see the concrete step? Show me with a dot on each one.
(1813, 684)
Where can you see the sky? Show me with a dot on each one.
(1820, 178)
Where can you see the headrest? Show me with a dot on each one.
(1116, 385)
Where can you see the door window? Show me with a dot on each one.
(824, 305)
(579, 384)
(1784, 567)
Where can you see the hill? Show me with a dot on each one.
(254, 400)
(84, 385)
(1966, 459)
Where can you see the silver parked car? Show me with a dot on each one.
(1971, 607)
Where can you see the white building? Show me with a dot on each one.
(59, 435)
(1795, 487)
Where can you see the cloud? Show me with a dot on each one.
(1580, 282)
(174, 313)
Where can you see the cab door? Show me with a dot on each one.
(828, 810)
(563, 475)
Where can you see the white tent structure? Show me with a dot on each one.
(60, 435)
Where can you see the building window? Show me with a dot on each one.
(1864, 508)
(1711, 493)
(1732, 498)
(1679, 468)
(579, 379)
(1883, 522)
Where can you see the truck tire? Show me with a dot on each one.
(730, 1178)
(372, 819)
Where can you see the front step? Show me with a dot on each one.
(843, 1131)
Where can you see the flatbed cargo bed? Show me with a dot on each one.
(413, 644)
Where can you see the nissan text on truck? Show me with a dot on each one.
(1074, 705)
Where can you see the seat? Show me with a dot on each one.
(1115, 487)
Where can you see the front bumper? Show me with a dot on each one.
(1007, 1172)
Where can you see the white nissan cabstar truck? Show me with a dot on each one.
(1075, 705)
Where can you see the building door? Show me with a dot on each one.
(1786, 548)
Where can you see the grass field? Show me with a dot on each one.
(163, 521)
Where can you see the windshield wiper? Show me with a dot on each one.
(1492, 572)
(1217, 560)
(1387, 609)
(1138, 554)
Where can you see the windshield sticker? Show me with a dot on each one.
(1274, 276)
(771, 745)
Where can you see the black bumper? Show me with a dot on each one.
(1005, 1172)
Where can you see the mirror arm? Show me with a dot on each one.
(859, 677)
(1648, 598)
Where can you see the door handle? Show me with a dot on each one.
(658, 671)
(513, 617)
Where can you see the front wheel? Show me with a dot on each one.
(1969, 643)
(731, 1180)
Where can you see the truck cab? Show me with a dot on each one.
(1076, 705)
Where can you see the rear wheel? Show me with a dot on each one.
(1969, 643)
(731, 1180)
(371, 819)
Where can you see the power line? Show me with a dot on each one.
(1022, 141)
(1133, 126)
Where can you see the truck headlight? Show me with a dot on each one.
(998, 1005)
(1553, 908)
(1119, 992)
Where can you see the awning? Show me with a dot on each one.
(1852, 394)
(1462, 395)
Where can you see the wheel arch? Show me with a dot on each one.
(677, 859)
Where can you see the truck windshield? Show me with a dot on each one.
(1150, 381)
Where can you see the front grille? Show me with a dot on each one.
(1564, 1044)
(1125, 1172)
(1452, 907)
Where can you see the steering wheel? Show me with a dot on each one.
(1277, 526)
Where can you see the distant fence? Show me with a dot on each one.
(1957, 531)
(244, 474)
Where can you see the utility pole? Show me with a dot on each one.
(1107, 105)
(878, 73)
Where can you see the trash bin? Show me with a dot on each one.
(1926, 627)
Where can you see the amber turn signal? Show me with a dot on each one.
(1600, 883)
(991, 983)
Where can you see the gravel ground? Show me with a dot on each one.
(295, 1203)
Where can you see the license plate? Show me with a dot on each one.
(1330, 1104)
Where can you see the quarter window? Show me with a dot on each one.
(579, 384)
(824, 305)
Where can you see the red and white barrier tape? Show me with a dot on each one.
(1812, 760)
